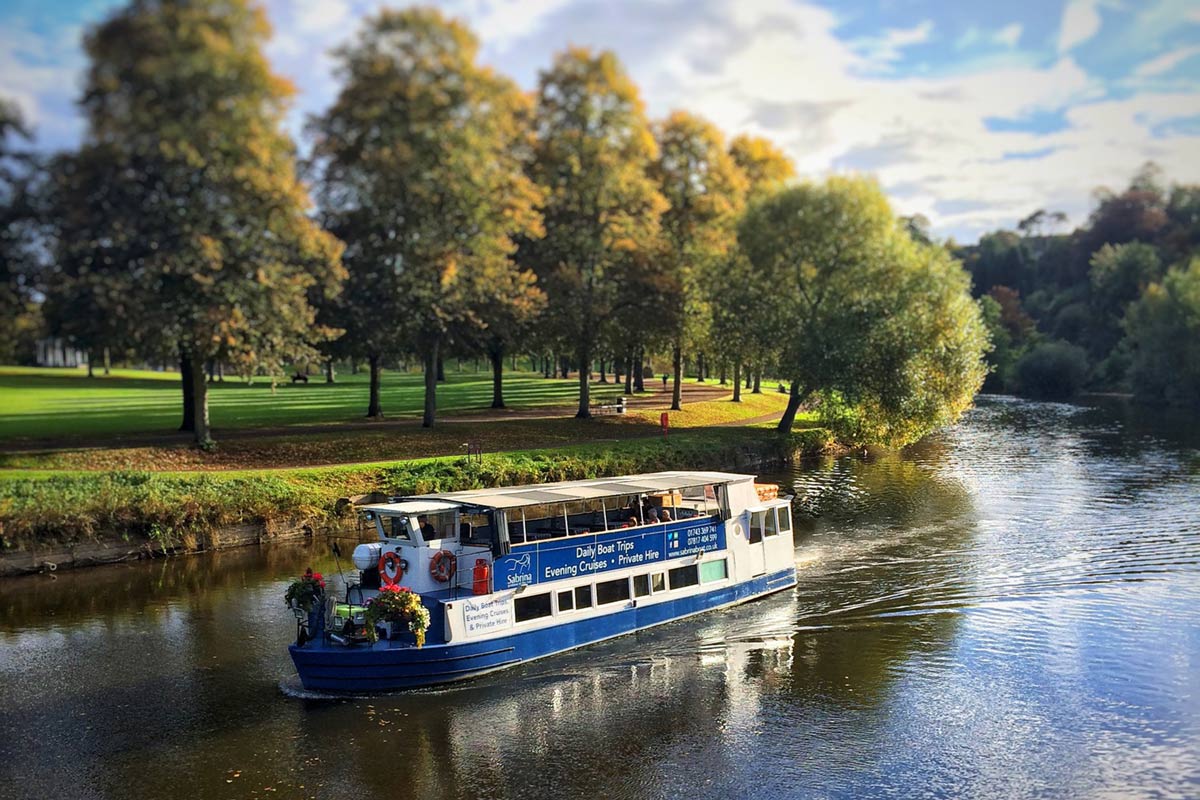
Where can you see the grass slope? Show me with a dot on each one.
(36, 403)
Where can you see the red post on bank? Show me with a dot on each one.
(665, 421)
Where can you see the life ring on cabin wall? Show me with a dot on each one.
(393, 560)
(443, 566)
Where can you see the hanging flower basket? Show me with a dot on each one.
(305, 592)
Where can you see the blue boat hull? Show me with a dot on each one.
(386, 667)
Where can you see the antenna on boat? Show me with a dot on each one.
(337, 558)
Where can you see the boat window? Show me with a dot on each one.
(641, 585)
(756, 527)
(658, 582)
(583, 596)
(533, 607)
(612, 591)
(566, 601)
(624, 511)
(713, 571)
(585, 516)
(476, 529)
(396, 527)
(668, 502)
(684, 576)
(785, 519)
(771, 530)
(544, 521)
(699, 501)
(437, 526)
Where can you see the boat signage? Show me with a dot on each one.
(487, 613)
(576, 556)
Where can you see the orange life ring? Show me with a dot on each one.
(391, 558)
(443, 566)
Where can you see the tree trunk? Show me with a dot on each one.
(677, 390)
(757, 381)
(585, 386)
(354, 366)
(565, 364)
(107, 361)
(329, 377)
(220, 371)
(794, 401)
(700, 367)
(203, 436)
(629, 373)
(189, 399)
(433, 363)
(441, 370)
(737, 381)
(497, 357)
(374, 407)
(724, 364)
(603, 376)
(749, 377)
(639, 370)
(91, 369)
(210, 367)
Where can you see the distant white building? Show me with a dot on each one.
(54, 352)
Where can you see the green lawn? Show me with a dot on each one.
(64, 402)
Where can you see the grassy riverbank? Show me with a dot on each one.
(43, 402)
(179, 509)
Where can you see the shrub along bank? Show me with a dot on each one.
(181, 511)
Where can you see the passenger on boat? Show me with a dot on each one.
(652, 515)
(427, 531)
(665, 515)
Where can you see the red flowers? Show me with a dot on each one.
(313, 576)
(387, 588)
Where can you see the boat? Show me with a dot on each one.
(491, 578)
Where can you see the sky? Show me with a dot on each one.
(973, 114)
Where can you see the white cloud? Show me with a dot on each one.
(1080, 22)
(1009, 35)
(1165, 62)
(887, 48)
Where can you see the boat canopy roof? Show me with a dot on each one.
(417, 506)
(517, 496)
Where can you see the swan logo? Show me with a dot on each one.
(520, 571)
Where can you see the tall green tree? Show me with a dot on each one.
(593, 149)
(1163, 335)
(421, 177)
(19, 232)
(705, 191)
(741, 333)
(194, 210)
(865, 314)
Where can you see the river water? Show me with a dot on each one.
(1009, 609)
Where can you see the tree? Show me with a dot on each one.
(421, 177)
(740, 332)
(1118, 276)
(866, 315)
(765, 166)
(1052, 370)
(592, 152)
(202, 224)
(705, 191)
(19, 224)
(1163, 334)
